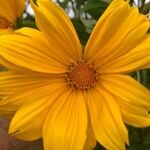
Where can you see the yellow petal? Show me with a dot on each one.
(119, 31)
(57, 27)
(138, 58)
(6, 31)
(11, 66)
(127, 88)
(136, 120)
(90, 142)
(66, 123)
(28, 121)
(14, 99)
(115, 111)
(11, 10)
(29, 131)
(6, 11)
(30, 50)
(132, 97)
(18, 7)
(106, 120)
(133, 114)
(13, 82)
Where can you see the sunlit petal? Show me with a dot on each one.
(90, 142)
(107, 120)
(13, 100)
(138, 58)
(66, 123)
(117, 33)
(57, 27)
(32, 110)
(26, 50)
(10, 11)
(132, 97)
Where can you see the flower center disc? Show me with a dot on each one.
(4, 23)
(81, 76)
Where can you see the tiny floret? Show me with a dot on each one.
(81, 75)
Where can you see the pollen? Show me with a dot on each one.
(81, 76)
(5, 24)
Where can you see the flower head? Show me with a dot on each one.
(10, 10)
(73, 97)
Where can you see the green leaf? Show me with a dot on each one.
(146, 8)
(28, 24)
(99, 147)
(95, 8)
(81, 30)
(80, 2)
(63, 4)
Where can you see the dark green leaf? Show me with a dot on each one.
(81, 30)
(146, 8)
(28, 24)
(95, 8)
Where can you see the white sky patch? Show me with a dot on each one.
(136, 1)
(30, 10)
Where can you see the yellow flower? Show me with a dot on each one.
(72, 97)
(10, 10)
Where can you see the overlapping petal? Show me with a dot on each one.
(116, 34)
(28, 121)
(28, 49)
(17, 6)
(90, 142)
(136, 119)
(57, 27)
(12, 82)
(105, 119)
(11, 66)
(66, 123)
(30, 131)
(132, 97)
(11, 10)
(138, 58)
(14, 98)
